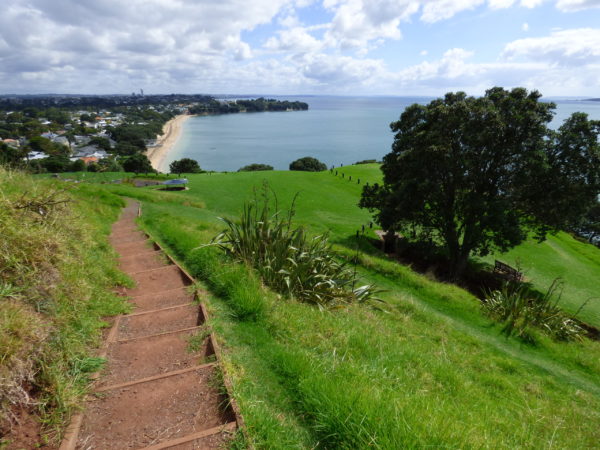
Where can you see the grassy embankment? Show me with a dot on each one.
(429, 369)
(57, 274)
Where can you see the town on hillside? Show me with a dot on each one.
(102, 133)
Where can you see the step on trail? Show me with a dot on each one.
(160, 387)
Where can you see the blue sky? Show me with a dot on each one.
(382, 47)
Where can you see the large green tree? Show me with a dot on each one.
(137, 163)
(477, 174)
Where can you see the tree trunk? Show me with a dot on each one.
(389, 241)
(459, 264)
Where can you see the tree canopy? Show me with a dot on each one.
(185, 165)
(137, 163)
(308, 164)
(477, 174)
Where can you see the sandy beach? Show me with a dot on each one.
(166, 141)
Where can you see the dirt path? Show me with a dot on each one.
(160, 387)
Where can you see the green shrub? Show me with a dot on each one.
(520, 313)
(255, 167)
(287, 259)
(308, 164)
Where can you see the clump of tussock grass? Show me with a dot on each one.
(287, 259)
(521, 313)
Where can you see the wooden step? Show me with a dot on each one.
(149, 356)
(163, 299)
(160, 321)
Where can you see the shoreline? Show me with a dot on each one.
(166, 141)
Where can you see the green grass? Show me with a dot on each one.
(57, 275)
(428, 370)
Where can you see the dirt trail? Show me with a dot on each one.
(160, 387)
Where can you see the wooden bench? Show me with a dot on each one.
(507, 271)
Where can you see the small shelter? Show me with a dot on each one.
(177, 184)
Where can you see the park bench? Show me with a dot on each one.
(507, 271)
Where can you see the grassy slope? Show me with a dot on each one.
(430, 370)
(57, 275)
(328, 203)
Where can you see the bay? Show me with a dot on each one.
(335, 130)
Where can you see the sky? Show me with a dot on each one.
(286, 47)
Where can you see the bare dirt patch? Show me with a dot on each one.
(143, 261)
(128, 236)
(24, 433)
(132, 248)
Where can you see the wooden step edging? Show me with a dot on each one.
(155, 377)
(229, 427)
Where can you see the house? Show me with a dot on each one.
(49, 135)
(12, 143)
(62, 140)
(89, 151)
(36, 155)
(82, 140)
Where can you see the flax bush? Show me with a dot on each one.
(520, 313)
(287, 259)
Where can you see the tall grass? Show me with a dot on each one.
(520, 312)
(289, 261)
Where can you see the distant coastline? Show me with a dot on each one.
(165, 142)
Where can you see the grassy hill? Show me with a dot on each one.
(329, 203)
(427, 369)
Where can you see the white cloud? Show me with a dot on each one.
(577, 5)
(525, 26)
(159, 42)
(500, 4)
(436, 10)
(531, 3)
(358, 22)
(294, 40)
(570, 48)
(330, 70)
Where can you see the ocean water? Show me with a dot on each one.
(335, 130)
